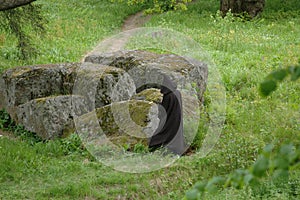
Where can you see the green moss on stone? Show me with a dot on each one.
(152, 95)
(41, 100)
(138, 111)
(20, 71)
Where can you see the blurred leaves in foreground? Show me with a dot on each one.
(272, 80)
(275, 164)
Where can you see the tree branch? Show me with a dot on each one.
(11, 4)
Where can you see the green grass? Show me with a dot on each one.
(244, 53)
(74, 27)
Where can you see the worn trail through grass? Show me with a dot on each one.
(118, 42)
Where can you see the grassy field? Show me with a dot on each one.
(244, 52)
(73, 28)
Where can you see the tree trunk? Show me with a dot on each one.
(252, 7)
(10, 4)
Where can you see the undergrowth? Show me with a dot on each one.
(244, 53)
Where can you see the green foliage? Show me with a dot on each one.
(242, 51)
(69, 33)
(140, 148)
(275, 164)
(282, 6)
(68, 145)
(270, 83)
(160, 6)
(7, 124)
(72, 144)
(195, 131)
(136, 148)
(22, 22)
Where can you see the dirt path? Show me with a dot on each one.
(135, 21)
(119, 41)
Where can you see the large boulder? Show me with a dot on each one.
(124, 123)
(144, 66)
(22, 84)
(99, 84)
(42, 97)
(51, 117)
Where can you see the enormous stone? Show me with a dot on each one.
(41, 97)
(99, 84)
(51, 117)
(22, 84)
(123, 123)
(128, 59)
(144, 67)
(95, 82)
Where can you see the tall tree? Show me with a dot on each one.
(19, 16)
(10, 4)
(252, 7)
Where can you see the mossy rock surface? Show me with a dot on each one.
(128, 59)
(40, 97)
(151, 94)
(100, 84)
(51, 117)
(145, 66)
(22, 84)
(125, 123)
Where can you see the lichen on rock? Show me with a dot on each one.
(123, 123)
(46, 98)
(151, 94)
(51, 117)
(22, 84)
